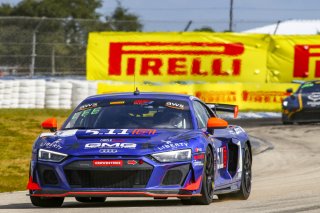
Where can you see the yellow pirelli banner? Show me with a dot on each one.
(248, 96)
(294, 58)
(205, 57)
(167, 57)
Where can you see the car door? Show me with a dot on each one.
(219, 140)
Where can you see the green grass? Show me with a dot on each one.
(18, 130)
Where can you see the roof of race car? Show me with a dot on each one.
(172, 96)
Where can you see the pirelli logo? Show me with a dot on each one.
(175, 58)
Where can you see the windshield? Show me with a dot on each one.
(310, 87)
(132, 114)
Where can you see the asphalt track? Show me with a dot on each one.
(286, 178)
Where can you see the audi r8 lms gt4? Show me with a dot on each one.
(143, 144)
(303, 105)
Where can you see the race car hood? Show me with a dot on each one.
(116, 141)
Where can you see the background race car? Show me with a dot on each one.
(151, 144)
(303, 105)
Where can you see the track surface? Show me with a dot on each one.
(286, 178)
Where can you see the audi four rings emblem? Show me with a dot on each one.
(108, 150)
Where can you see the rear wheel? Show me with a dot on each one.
(47, 201)
(91, 199)
(207, 183)
(245, 187)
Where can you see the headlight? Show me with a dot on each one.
(46, 155)
(173, 156)
(285, 103)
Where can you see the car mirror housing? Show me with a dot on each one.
(216, 123)
(50, 123)
(290, 90)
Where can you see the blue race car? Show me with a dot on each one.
(141, 144)
(303, 105)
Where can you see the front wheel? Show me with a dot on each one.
(47, 201)
(207, 183)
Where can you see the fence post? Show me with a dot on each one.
(34, 43)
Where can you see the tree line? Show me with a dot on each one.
(61, 29)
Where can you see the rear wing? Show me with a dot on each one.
(224, 108)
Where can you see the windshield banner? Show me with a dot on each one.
(248, 96)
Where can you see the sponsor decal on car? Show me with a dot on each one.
(132, 162)
(51, 145)
(121, 132)
(315, 99)
(222, 157)
(172, 145)
(198, 163)
(117, 102)
(110, 145)
(108, 151)
(174, 105)
(108, 132)
(198, 149)
(88, 106)
(115, 140)
(142, 102)
(314, 96)
(143, 132)
(107, 163)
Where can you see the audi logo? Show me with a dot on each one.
(108, 150)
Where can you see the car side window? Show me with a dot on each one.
(202, 114)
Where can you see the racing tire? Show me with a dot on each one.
(47, 201)
(91, 199)
(207, 188)
(245, 187)
(285, 120)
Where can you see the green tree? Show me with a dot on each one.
(64, 37)
(122, 20)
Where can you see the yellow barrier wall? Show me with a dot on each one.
(248, 96)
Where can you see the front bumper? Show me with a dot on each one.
(304, 115)
(158, 194)
(136, 177)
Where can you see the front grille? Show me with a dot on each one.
(172, 177)
(108, 179)
(176, 175)
(47, 175)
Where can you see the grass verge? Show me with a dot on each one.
(18, 130)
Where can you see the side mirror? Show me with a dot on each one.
(289, 90)
(50, 123)
(216, 123)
